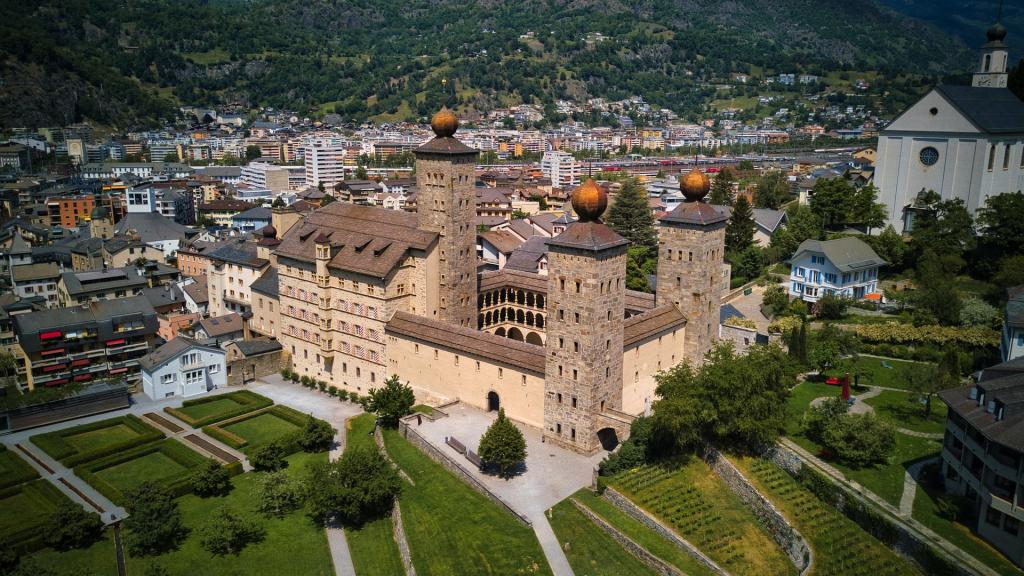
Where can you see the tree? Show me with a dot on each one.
(360, 172)
(268, 457)
(936, 287)
(276, 494)
(229, 532)
(327, 199)
(819, 417)
(747, 264)
(503, 444)
(171, 157)
(824, 354)
(860, 439)
(775, 298)
(721, 189)
(352, 490)
(976, 312)
(278, 203)
(71, 527)
(1001, 231)
(739, 232)
(391, 402)
(925, 381)
(733, 400)
(211, 479)
(252, 152)
(802, 224)
(832, 307)
(316, 435)
(630, 215)
(944, 226)
(863, 207)
(772, 190)
(154, 522)
(320, 187)
(889, 245)
(155, 569)
(1011, 272)
(829, 200)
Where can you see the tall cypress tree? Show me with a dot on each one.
(739, 233)
(630, 215)
(721, 188)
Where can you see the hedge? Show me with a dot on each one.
(31, 537)
(290, 444)
(54, 443)
(19, 471)
(900, 333)
(250, 401)
(171, 448)
(234, 440)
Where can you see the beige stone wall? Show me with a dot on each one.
(642, 361)
(266, 315)
(230, 284)
(439, 374)
(243, 370)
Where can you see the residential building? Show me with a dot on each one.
(220, 212)
(68, 211)
(220, 329)
(197, 297)
(76, 288)
(845, 267)
(183, 367)
(252, 219)
(192, 257)
(82, 343)
(234, 267)
(1012, 344)
(561, 168)
(983, 453)
(325, 162)
(265, 304)
(252, 359)
(37, 281)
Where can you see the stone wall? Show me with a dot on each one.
(245, 370)
(456, 468)
(627, 506)
(403, 544)
(641, 553)
(787, 537)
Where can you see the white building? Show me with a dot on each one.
(963, 142)
(325, 162)
(275, 178)
(182, 367)
(561, 168)
(845, 267)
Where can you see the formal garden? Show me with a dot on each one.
(210, 409)
(253, 430)
(87, 442)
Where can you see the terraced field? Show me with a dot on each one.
(694, 501)
(840, 546)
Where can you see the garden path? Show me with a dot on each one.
(910, 479)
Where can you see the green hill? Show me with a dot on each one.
(130, 62)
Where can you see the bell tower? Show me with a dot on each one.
(691, 249)
(586, 311)
(446, 204)
(994, 59)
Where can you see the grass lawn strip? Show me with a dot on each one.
(14, 470)
(904, 411)
(959, 534)
(589, 548)
(840, 546)
(249, 431)
(25, 510)
(641, 534)
(874, 373)
(211, 409)
(452, 529)
(373, 547)
(87, 442)
(168, 462)
(696, 503)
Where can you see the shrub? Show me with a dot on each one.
(628, 456)
(332, 390)
(342, 394)
(900, 333)
(229, 533)
(321, 385)
(286, 374)
(953, 507)
(249, 402)
(306, 381)
(211, 479)
(860, 439)
(71, 527)
(821, 416)
(832, 307)
(316, 435)
(390, 402)
(270, 457)
(54, 443)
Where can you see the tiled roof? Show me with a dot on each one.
(1003, 383)
(447, 145)
(697, 213)
(588, 236)
(642, 326)
(364, 239)
(256, 347)
(241, 253)
(503, 240)
(529, 357)
(636, 300)
(30, 272)
(170, 351)
(527, 256)
(267, 283)
(152, 227)
(847, 254)
(198, 291)
(514, 278)
(992, 110)
(221, 325)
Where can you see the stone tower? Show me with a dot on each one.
(691, 249)
(446, 204)
(586, 297)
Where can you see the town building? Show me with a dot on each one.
(844, 267)
(964, 142)
(1011, 346)
(252, 359)
(561, 168)
(82, 343)
(76, 288)
(324, 162)
(37, 281)
(234, 267)
(220, 329)
(68, 211)
(183, 367)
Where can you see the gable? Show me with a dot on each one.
(918, 118)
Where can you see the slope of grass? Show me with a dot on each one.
(454, 530)
(904, 411)
(589, 549)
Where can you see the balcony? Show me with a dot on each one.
(127, 348)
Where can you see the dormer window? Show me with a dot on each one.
(991, 407)
(973, 393)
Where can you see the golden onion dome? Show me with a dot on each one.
(444, 123)
(589, 201)
(695, 185)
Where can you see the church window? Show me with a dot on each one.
(988, 63)
(929, 156)
(991, 157)
(1006, 157)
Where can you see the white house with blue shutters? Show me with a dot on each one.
(845, 267)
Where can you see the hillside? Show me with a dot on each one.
(128, 63)
(968, 19)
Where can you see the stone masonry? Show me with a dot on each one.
(583, 370)
(446, 204)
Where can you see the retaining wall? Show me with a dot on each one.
(641, 553)
(403, 544)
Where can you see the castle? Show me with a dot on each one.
(364, 293)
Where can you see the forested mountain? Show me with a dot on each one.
(968, 19)
(129, 62)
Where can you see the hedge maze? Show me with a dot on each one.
(81, 444)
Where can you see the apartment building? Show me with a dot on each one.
(84, 343)
(68, 211)
(234, 267)
(325, 162)
(561, 168)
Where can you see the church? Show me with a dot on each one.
(963, 142)
(365, 293)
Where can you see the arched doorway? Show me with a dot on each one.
(499, 332)
(608, 438)
(515, 334)
(493, 402)
(534, 338)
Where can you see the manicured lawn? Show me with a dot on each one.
(99, 559)
(212, 409)
(101, 439)
(155, 466)
(958, 534)
(293, 544)
(28, 505)
(87, 442)
(454, 530)
(589, 549)
(168, 462)
(800, 398)
(696, 503)
(640, 533)
(222, 404)
(840, 546)
(904, 411)
(874, 373)
(885, 480)
(261, 429)
(14, 470)
(373, 547)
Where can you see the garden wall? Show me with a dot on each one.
(627, 506)
(455, 468)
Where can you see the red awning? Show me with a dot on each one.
(51, 352)
(115, 342)
(82, 362)
(83, 377)
(54, 368)
(118, 370)
(50, 335)
(57, 382)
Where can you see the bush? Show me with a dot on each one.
(211, 479)
(316, 435)
(229, 533)
(250, 402)
(71, 527)
(286, 374)
(832, 307)
(321, 385)
(268, 457)
(819, 417)
(953, 507)
(860, 439)
(276, 494)
(306, 381)
(901, 333)
(629, 455)
(342, 394)
(332, 391)
(54, 443)
(391, 402)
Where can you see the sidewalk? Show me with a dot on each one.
(65, 480)
(924, 533)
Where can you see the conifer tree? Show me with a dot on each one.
(721, 188)
(503, 444)
(739, 233)
(630, 215)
